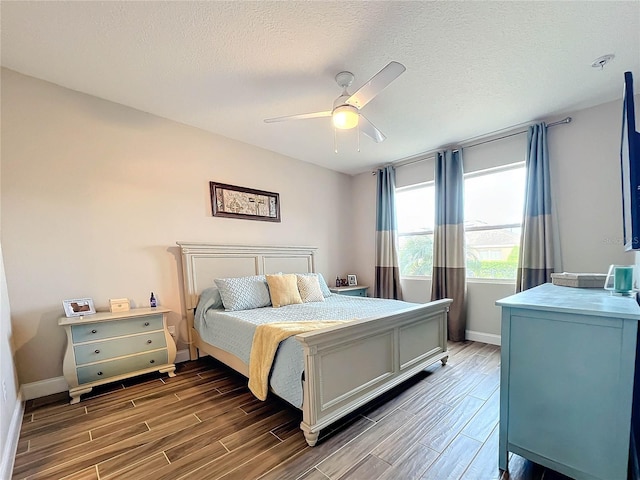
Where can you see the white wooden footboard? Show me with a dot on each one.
(349, 365)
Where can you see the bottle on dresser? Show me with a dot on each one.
(152, 301)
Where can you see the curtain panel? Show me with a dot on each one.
(449, 268)
(387, 281)
(536, 259)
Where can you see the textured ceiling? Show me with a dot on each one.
(472, 67)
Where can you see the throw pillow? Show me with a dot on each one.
(243, 293)
(309, 288)
(323, 285)
(283, 290)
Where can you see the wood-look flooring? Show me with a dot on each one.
(204, 424)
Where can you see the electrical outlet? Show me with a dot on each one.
(4, 390)
(172, 330)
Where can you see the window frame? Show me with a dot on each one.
(477, 173)
(480, 173)
(415, 186)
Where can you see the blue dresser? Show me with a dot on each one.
(567, 380)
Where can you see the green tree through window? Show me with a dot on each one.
(416, 255)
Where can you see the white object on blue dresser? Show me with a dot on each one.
(107, 347)
(567, 380)
(117, 305)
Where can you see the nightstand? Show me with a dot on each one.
(357, 291)
(107, 347)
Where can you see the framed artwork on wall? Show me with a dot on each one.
(232, 201)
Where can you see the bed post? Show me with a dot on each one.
(188, 298)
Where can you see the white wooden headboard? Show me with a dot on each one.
(203, 262)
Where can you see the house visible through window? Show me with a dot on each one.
(494, 203)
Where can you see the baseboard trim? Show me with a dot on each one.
(491, 338)
(13, 435)
(59, 384)
(182, 356)
(44, 387)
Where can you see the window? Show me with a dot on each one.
(415, 207)
(493, 208)
(494, 203)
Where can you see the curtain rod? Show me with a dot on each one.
(428, 155)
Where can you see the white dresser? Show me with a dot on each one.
(107, 347)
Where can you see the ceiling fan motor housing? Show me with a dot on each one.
(344, 79)
(340, 101)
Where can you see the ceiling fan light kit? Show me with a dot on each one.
(345, 114)
(345, 117)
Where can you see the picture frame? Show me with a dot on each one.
(78, 307)
(232, 201)
(352, 280)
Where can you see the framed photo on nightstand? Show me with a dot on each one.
(352, 280)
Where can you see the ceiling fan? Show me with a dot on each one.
(346, 108)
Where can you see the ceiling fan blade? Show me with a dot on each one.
(378, 82)
(302, 116)
(370, 130)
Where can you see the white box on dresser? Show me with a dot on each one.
(107, 347)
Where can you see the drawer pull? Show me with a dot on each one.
(94, 331)
(152, 361)
(99, 373)
(97, 351)
(148, 341)
(146, 324)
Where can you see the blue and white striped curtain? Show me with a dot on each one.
(449, 267)
(536, 259)
(387, 282)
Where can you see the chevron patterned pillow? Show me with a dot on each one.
(309, 288)
(244, 293)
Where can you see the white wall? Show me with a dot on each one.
(10, 407)
(95, 195)
(363, 205)
(585, 177)
(10, 413)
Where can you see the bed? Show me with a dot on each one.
(335, 369)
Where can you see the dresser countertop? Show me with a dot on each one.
(105, 316)
(586, 301)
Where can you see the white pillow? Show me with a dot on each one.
(323, 285)
(309, 288)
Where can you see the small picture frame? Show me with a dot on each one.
(78, 307)
(352, 280)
